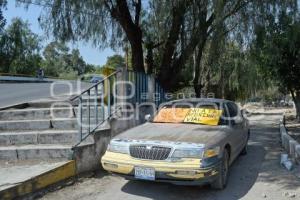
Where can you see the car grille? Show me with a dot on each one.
(150, 153)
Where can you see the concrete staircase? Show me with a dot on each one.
(36, 140)
(37, 133)
(47, 128)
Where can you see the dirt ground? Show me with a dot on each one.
(258, 175)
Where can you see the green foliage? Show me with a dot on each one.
(204, 43)
(232, 74)
(68, 75)
(55, 59)
(2, 19)
(19, 49)
(58, 60)
(80, 20)
(277, 49)
(20, 54)
(112, 63)
(115, 61)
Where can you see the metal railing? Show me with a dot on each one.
(94, 106)
(141, 83)
(92, 114)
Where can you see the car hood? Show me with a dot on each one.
(192, 133)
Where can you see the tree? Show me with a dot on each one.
(2, 19)
(167, 32)
(112, 63)
(234, 27)
(103, 22)
(115, 61)
(19, 49)
(182, 26)
(77, 62)
(55, 59)
(191, 25)
(277, 48)
(58, 60)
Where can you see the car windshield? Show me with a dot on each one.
(96, 78)
(208, 113)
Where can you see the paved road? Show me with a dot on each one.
(14, 93)
(257, 175)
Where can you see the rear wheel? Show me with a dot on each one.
(221, 181)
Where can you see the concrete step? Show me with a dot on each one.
(35, 152)
(42, 124)
(22, 179)
(37, 113)
(38, 137)
(45, 113)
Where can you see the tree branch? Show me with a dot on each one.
(138, 6)
(237, 6)
(108, 7)
(177, 20)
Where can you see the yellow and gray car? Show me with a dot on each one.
(187, 142)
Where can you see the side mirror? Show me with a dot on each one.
(147, 117)
(245, 113)
(237, 120)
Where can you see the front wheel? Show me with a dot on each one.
(245, 149)
(221, 181)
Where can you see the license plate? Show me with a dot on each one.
(144, 173)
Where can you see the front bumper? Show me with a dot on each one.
(183, 172)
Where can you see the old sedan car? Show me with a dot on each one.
(190, 142)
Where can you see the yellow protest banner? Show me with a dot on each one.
(203, 116)
(171, 115)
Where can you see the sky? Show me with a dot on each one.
(90, 54)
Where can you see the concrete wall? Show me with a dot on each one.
(289, 144)
(87, 156)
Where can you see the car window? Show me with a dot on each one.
(224, 120)
(232, 109)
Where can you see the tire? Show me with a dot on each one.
(245, 149)
(221, 181)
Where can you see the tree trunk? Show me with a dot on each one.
(297, 105)
(149, 57)
(166, 68)
(197, 79)
(137, 54)
(222, 82)
(296, 99)
(132, 30)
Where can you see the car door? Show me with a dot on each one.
(237, 128)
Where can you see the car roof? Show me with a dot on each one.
(198, 100)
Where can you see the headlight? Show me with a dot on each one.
(187, 153)
(118, 147)
(208, 153)
(210, 157)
